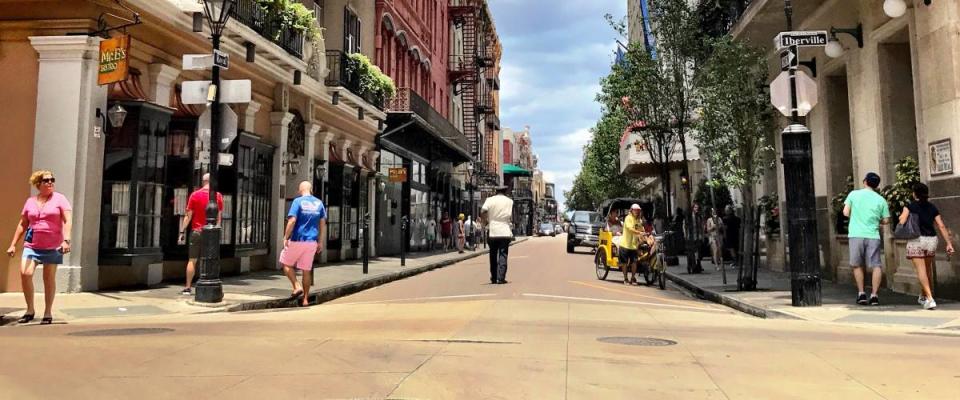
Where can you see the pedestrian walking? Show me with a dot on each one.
(497, 211)
(922, 250)
(194, 218)
(446, 230)
(469, 228)
(461, 233)
(867, 211)
(731, 233)
(715, 235)
(46, 221)
(302, 239)
(431, 232)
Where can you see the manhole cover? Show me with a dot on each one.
(122, 332)
(636, 341)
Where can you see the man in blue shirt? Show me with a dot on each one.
(302, 239)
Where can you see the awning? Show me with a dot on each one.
(635, 159)
(510, 169)
(408, 133)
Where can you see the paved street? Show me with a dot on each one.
(551, 333)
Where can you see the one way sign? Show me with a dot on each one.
(789, 59)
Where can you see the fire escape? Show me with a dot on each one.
(466, 70)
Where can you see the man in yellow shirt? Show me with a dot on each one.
(632, 229)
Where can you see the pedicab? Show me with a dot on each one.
(650, 262)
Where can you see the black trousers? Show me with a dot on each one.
(499, 248)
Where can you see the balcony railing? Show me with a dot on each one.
(342, 75)
(522, 194)
(249, 13)
(407, 100)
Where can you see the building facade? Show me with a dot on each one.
(894, 97)
(129, 183)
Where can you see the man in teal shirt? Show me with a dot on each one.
(867, 211)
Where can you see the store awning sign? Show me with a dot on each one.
(398, 175)
(114, 65)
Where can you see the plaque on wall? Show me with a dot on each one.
(941, 157)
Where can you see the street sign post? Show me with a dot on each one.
(222, 59)
(232, 91)
(789, 58)
(801, 39)
(228, 126)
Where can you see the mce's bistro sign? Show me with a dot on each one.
(800, 39)
(113, 60)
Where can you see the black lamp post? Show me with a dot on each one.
(470, 184)
(801, 205)
(209, 286)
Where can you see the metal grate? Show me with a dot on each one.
(122, 332)
(636, 341)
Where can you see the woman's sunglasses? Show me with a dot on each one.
(48, 180)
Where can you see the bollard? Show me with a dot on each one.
(366, 243)
(403, 241)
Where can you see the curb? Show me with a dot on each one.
(334, 292)
(729, 301)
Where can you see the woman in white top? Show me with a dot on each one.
(715, 233)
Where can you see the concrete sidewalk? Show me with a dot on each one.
(257, 290)
(773, 300)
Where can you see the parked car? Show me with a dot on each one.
(584, 230)
(546, 229)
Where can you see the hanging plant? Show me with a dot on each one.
(293, 16)
(371, 79)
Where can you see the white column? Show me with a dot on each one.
(250, 116)
(279, 121)
(161, 80)
(67, 99)
(372, 195)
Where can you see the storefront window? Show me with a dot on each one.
(254, 180)
(133, 184)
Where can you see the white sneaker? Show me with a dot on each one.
(930, 304)
(921, 300)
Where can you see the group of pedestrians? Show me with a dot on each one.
(867, 211)
(722, 234)
(463, 234)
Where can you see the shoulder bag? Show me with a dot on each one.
(909, 230)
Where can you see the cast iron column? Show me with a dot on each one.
(801, 201)
(209, 286)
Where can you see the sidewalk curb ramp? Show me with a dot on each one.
(334, 292)
(730, 301)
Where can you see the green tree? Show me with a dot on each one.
(736, 121)
(579, 196)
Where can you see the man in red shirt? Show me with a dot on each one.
(196, 217)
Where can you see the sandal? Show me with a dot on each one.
(25, 319)
(46, 321)
(297, 294)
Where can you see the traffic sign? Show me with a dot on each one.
(222, 59)
(789, 59)
(228, 126)
(800, 38)
(231, 91)
(806, 93)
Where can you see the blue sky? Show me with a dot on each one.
(554, 54)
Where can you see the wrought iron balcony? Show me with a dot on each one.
(407, 100)
(249, 13)
(342, 75)
(522, 194)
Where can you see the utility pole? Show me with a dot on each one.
(805, 286)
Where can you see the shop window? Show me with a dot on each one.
(254, 182)
(133, 184)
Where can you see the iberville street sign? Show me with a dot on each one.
(800, 39)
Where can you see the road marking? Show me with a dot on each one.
(627, 293)
(550, 296)
(462, 296)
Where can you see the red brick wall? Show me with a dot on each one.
(426, 31)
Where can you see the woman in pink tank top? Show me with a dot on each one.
(45, 224)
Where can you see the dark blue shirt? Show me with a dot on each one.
(308, 211)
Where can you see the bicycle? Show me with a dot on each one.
(656, 270)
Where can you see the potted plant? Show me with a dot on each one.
(837, 203)
(900, 193)
(770, 207)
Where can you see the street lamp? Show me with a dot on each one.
(894, 8)
(834, 49)
(209, 286)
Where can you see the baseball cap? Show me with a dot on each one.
(872, 179)
(635, 207)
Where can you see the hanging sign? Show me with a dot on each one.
(398, 174)
(113, 60)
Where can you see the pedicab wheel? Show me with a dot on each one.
(569, 248)
(662, 279)
(600, 263)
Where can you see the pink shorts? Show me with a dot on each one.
(299, 254)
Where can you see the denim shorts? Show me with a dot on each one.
(866, 252)
(53, 256)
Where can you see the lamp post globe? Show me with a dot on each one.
(833, 49)
(894, 8)
(117, 115)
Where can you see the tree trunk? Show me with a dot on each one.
(693, 262)
(747, 280)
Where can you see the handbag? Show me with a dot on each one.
(909, 230)
(28, 237)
